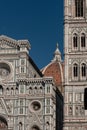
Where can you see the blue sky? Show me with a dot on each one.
(39, 21)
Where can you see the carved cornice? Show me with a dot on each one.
(15, 43)
(37, 80)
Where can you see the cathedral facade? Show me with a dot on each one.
(33, 99)
(27, 99)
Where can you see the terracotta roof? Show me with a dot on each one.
(55, 70)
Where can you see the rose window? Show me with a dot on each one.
(35, 106)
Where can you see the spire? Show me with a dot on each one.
(57, 54)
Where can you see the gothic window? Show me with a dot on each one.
(83, 70)
(75, 70)
(79, 8)
(75, 41)
(83, 40)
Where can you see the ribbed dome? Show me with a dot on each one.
(55, 69)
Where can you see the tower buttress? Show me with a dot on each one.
(75, 51)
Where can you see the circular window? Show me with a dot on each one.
(4, 70)
(35, 106)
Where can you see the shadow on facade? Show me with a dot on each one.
(59, 110)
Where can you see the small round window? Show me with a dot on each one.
(4, 70)
(35, 106)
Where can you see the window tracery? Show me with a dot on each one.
(79, 8)
(83, 70)
(75, 41)
(83, 45)
(75, 70)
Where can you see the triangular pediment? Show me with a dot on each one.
(6, 42)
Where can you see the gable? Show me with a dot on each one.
(33, 69)
(7, 43)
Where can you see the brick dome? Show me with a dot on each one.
(55, 69)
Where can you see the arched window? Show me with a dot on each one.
(75, 70)
(83, 70)
(83, 40)
(75, 41)
(79, 8)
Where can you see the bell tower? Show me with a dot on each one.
(75, 50)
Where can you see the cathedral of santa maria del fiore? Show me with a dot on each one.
(55, 97)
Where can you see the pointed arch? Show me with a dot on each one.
(83, 70)
(75, 70)
(83, 38)
(75, 41)
(79, 8)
